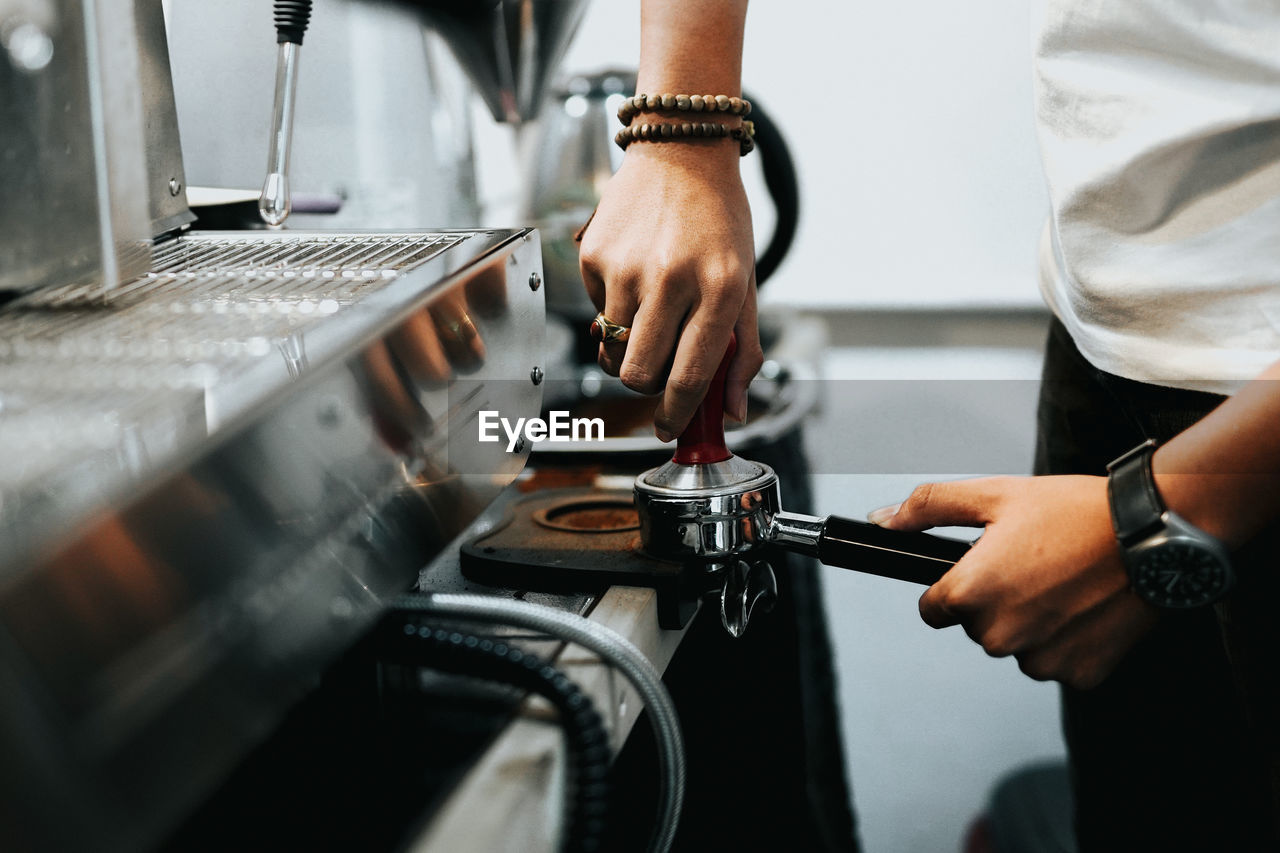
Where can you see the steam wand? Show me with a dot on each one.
(291, 18)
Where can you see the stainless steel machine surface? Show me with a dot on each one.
(223, 453)
(73, 205)
(213, 478)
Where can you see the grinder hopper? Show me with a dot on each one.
(509, 48)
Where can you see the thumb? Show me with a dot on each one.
(966, 503)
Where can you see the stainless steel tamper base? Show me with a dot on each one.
(719, 515)
(718, 510)
(709, 511)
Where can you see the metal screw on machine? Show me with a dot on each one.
(535, 280)
(536, 375)
(292, 17)
(711, 509)
(175, 186)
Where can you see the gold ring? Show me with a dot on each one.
(604, 329)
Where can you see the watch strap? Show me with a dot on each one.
(1136, 508)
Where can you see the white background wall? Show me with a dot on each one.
(911, 124)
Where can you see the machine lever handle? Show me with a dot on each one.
(909, 556)
(702, 441)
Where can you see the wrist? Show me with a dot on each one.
(1206, 500)
(1173, 561)
(714, 158)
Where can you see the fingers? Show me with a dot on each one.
(486, 290)
(396, 415)
(935, 609)
(653, 338)
(681, 309)
(620, 305)
(417, 344)
(591, 268)
(458, 334)
(609, 354)
(701, 348)
(1087, 650)
(967, 503)
(669, 347)
(746, 362)
(1078, 645)
(949, 601)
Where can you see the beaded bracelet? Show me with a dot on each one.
(670, 132)
(668, 102)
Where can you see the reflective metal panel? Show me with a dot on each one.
(73, 203)
(166, 181)
(213, 479)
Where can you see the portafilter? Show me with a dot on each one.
(708, 507)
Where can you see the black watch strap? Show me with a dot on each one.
(1136, 508)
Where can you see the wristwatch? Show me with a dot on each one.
(1171, 562)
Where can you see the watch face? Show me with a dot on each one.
(1179, 574)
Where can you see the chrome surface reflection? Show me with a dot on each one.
(212, 480)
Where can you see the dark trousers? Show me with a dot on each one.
(1176, 749)
(760, 718)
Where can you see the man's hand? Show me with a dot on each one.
(670, 253)
(1045, 583)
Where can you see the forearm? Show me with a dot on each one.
(1223, 474)
(670, 251)
(691, 48)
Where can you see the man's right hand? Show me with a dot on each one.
(670, 253)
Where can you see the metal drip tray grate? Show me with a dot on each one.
(211, 298)
(244, 268)
(211, 303)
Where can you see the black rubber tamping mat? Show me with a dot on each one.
(581, 540)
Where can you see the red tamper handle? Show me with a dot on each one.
(702, 441)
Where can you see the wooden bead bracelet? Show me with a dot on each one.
(668, 102)
(672, 132)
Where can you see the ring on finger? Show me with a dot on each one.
(604, 329)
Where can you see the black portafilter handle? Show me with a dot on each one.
(904, 555)
(292, 17)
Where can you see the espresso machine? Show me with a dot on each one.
(384, 125)
(224, 452)
(227, 452)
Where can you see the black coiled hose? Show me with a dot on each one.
(779, 172)
(410, 642)
(292, 17)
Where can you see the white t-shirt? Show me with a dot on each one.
(1159, 125)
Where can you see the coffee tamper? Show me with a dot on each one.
(710, 508)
